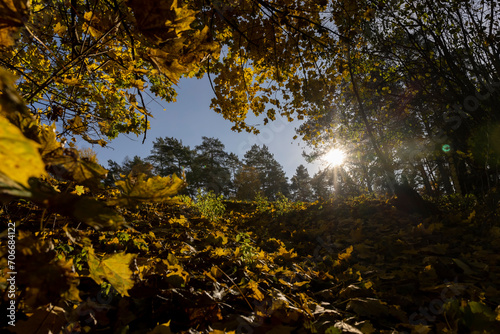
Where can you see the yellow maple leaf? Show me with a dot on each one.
(162, 329)
(79, 190)
(12, 15)
(254, 287)
(114, 268)
(19, 155)
(221, 251)
(60, 29)
(346, 254)
(155, 189)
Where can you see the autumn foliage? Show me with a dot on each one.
(353, 266)
(135, 257)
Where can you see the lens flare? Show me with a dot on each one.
(446, 148)
(335, 157)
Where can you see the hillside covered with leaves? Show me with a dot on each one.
(342, 266)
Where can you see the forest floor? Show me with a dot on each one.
(343, 266)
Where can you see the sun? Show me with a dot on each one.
(334, 157)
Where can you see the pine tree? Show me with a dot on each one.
(170, 156)
(270, 172)
(136, 166)
(322, 184)
(301, 185)
(210, 168)
(247, 183)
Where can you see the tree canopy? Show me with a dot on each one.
(414, 83)
(86, 64)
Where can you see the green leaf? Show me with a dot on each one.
(480, 308)
(333, 330)
(114, 268)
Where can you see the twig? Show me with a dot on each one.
(40, 41)
(145, 114)
(67, 66)
(237, 287)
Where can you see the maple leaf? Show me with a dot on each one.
(19, 155)
(67, 165)
(79, 190)
(161, 21)
(162, 329)
(136, 190)
(60, 29)
(46, 319)
(48, 139)
(113, 268)
(13, 13)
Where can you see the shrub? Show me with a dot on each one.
(282, 204)
(458, 203)
(262, 202)
(248, 251)
(210, 205)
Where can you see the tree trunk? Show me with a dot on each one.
(429, 191)
(445, 176)
(386, 166)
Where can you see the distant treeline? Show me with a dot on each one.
(210, 167)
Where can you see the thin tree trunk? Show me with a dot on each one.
(445, 176)
(386, 166)
(428, 188)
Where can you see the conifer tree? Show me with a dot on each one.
(247, 183)
(271, 175)
(170, 156)
(301, 185)
(210, 168)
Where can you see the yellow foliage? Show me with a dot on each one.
(138, 189)
(162, 329)
(253, 288)
(13, 13)
(112, 268)
(19, 155)
(60, 29)
(346, 254)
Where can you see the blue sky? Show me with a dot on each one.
(190, 118)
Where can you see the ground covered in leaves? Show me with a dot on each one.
(343, 266)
